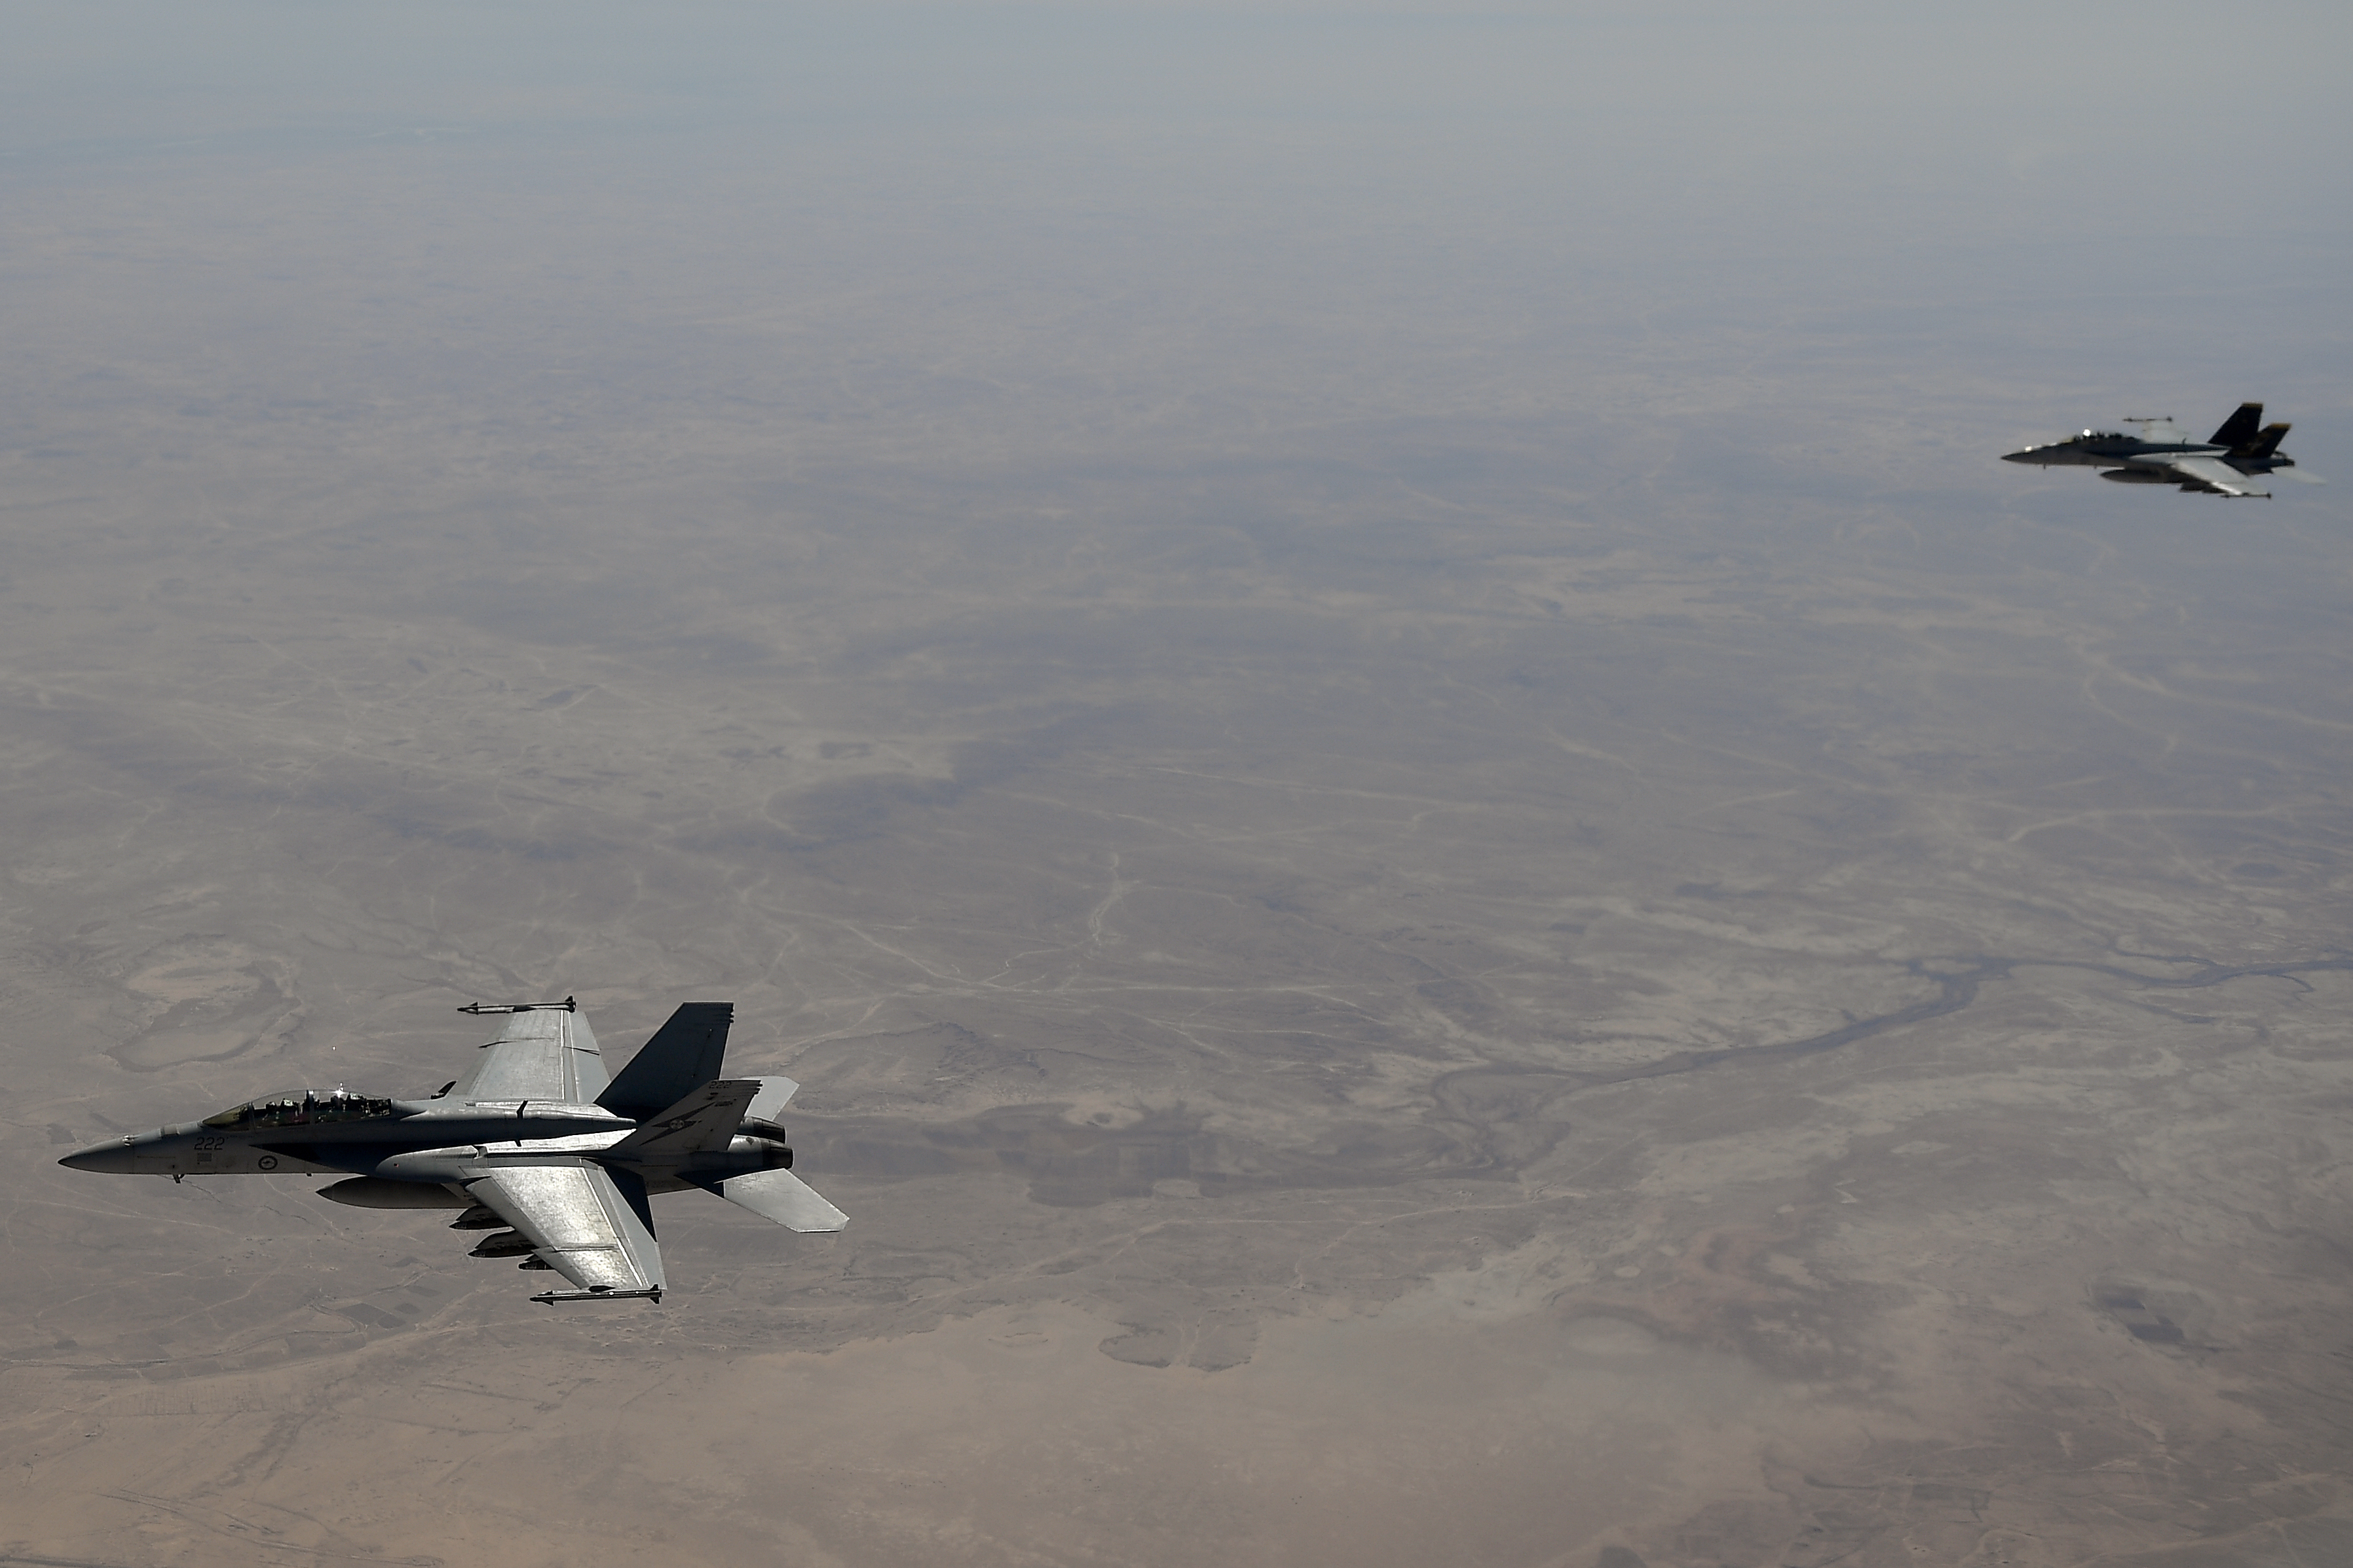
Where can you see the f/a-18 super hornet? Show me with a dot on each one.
(537, 1145)
(2234, 461)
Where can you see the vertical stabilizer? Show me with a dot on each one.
(2265, 442)
(684, 1054)
(2240, 427)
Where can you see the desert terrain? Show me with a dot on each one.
(1489, 903)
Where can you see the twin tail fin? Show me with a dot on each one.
(2238, 428)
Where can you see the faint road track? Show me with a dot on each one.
(1954, 992)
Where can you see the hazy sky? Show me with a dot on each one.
(2131, 162)
(1954, 116)
(2116, 204)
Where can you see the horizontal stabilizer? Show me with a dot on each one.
(783, 1198)
(775, 1093)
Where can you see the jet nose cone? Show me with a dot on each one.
(114, 1155)
(2025, 457)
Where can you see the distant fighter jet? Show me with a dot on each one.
(536, 1145)
(2233, 463)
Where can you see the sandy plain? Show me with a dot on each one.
(1400, 954)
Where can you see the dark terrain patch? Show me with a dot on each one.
(2143, 1319)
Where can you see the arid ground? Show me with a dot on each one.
(1451, 884)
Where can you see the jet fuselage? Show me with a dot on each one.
(2233, 461)
(411, 1141)
(536, 1136)
(2106, 450)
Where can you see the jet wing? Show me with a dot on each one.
(546, 1053)
(578, 1218)
(2213, 474)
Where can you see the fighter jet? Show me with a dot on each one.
(536, 1144)
(2232, 462)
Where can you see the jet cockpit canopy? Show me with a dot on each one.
(302, 1108)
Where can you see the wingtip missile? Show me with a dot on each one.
(479, 1009)
(549, 1298)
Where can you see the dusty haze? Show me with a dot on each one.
(1455, 877)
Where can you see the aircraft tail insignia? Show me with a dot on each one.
(2262, 443)
(704, 1120)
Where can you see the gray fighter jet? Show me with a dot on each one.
(2233, 462)
(536, 1144)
